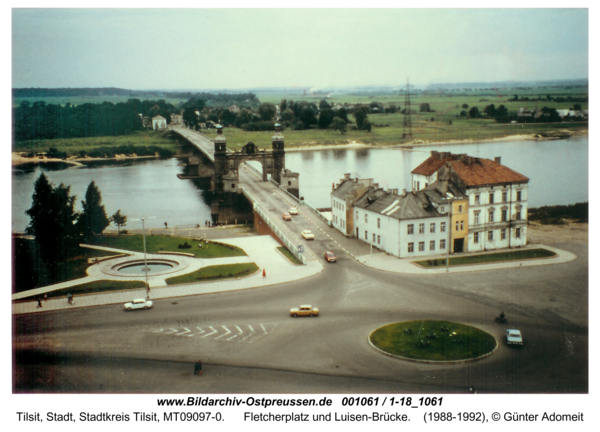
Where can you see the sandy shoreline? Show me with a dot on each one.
(419, 143)
(17, 159)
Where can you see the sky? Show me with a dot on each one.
(251, 48)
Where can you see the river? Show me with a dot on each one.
(557, 169)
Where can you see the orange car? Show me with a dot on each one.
(287, 217)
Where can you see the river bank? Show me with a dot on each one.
(354, 144)
(17, 159)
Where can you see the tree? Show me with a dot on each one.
(577, 107)
(338, 124)
(367, 125)
(343, 114)
(360, 115)
(474, 112)
(307, 116)
(325, 118)
(93, 219)
(287, 115)
(463, 113)
(52, 215)
(425, 107)
(323, 104)
(490, 110)
(119, 220)
(267, 111)
(465, 106)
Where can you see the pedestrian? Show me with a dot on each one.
(264, 273)
(39, 299)
(166, 226)
(45, 297)
(198, 368)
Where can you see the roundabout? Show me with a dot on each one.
(433, 341)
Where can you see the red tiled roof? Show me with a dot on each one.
(485, 172)
(433, 163)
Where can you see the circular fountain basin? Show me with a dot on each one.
(136, 267)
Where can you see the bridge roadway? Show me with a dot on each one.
(202, 142)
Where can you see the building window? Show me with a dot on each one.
(518, 215)
(410, 229)
(462, 226)
(457, 225)
(443, 244)
(422, 228)
(356, 215)
(503, 234)
(504, 212)
(378, 223)
(366, 235)
(421, 246)
(411, 247)
(432, 245)
(460, 209)
(232, 185)
(476, 217)
(476, 237)
(491, 197)
(373, 238)
(518, 195)
(518, 233)
(442, 226)
(490, 235)
(442, 209)
(365, 218)
(432, 227)
(378, 239)
(289, 183)
(418, 185)
(491, 216)
(477, 199)
(504, 196)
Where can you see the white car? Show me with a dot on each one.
(138, 304)
(308, 235)
(293, 211)
(514, 337)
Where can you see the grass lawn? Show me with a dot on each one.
(94, 287)
(515, 255)
(458, 342)
(214, 272)
(289, 255)
(156, 243)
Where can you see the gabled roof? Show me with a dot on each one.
(158, 117)
(411, 206)
(483, 172)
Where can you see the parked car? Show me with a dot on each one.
(304, 310)
(514, 337)
(293, 211)
(308, 235)
(287, 217)
(138, 304)
(330, 257)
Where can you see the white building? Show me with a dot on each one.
(497, 202)
(159, 122)
(343, 195)
(407, 225)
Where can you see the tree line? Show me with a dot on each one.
(38, 120)
(58, 228)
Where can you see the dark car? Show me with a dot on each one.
(330, 256)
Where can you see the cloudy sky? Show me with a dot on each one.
(240, 48)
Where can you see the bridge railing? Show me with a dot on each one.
(316, 212)
(264, 216)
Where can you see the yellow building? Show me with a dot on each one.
(459, 225)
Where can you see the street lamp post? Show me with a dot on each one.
(146, 269)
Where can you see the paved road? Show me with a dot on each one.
(249, 343)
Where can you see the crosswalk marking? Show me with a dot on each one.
(208, 334)
(224, 334)
(245, 332)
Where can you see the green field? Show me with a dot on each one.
(215, 272)
(515, 255)
(72, 146)
(285, 251)
(428, 340)
(156, 243)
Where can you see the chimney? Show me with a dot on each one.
(498, 159)
(443, 178)
(395, 191)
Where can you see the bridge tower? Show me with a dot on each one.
(220, 159)
(278, 153)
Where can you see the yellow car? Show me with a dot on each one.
(287, 217)
(308, 235)
(304, 310)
